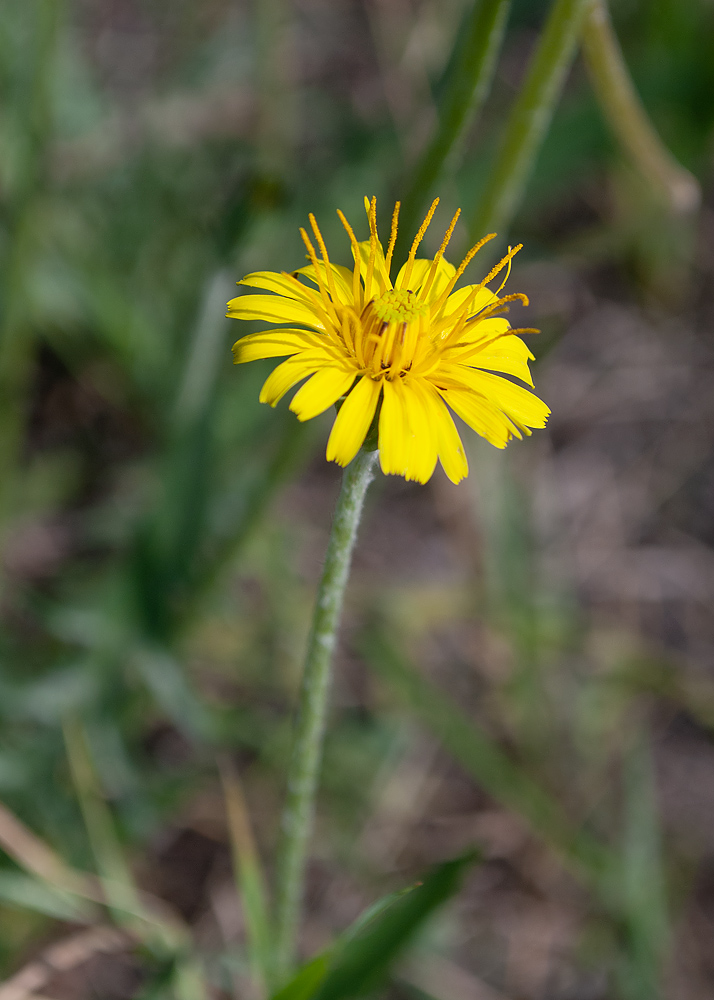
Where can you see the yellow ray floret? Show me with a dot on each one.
(405, 353)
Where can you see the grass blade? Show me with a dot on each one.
(466, 89)
(530, 118)
(627, 117)
(363, 962)
(250, 881)
(366, 951)
(306, 981)
(121, 891)
(505, 780)
(27, 892)
(122, 895)
(644, 903)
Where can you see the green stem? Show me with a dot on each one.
(466, 90)
(530, 117)
(627, 117)
(298, 813)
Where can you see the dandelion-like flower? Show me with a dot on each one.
(406, 352)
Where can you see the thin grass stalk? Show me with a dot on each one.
(530, 117)
(249, 879)
(118, 886)
(298, 813)
(117, 882)
(645, 919)
(467, 88)
(25, 229)
(627, 116)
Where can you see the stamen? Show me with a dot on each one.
(459, 325)
(329, 307)
(478, 346)
(346, 333)
(353, 321)
(371, 208)
(323, 251)
(460, 270)
(383, 346)
(357, 257)
(512, 251)
(500, 306)
(508, 271)
(414, 336)
(392, 238)
(417, 240)
(398, 355)
(439, 254)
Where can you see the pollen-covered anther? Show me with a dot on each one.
(399, 305)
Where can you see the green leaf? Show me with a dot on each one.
(363, 955)
(364, 960)
(303, 985)
(371, 914)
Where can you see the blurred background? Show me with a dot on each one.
(527, 659)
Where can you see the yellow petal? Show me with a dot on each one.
(451, 450)
(508, 355)
(481, 415)
(288, 374)
(482, 331)
(523, 407)
(492, 348)
(420, 272)
(274, 344)
(458, 299)
(420, 419)
(341, 278)
(272, 281)
(273, 309)
(395, 441)
(353, 421)
(321, 391)
(420, 269)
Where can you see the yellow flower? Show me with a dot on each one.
(413, 349)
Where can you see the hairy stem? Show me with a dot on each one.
(303, 772)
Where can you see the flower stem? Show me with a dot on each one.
(530, 117)
(466, 90)
(298, 813)
(627, 117)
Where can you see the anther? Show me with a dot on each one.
(392, 238)
(439, 254)
(417, 240)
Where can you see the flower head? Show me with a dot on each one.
(407, 351)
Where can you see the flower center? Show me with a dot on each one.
(399, 305)
(390, 331)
